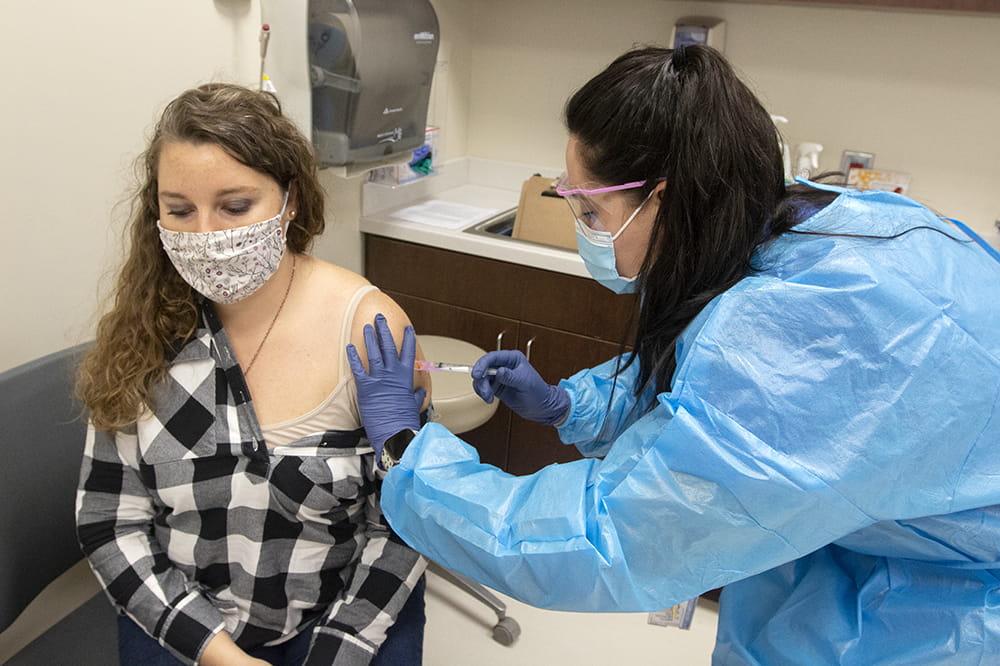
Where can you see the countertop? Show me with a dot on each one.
(484, 184)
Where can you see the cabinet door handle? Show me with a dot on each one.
(527, 348)
(500, 340)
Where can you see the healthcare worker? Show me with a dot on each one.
(810, 417)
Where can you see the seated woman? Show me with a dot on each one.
(228, 498)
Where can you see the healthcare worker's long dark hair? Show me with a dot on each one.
(685, 116)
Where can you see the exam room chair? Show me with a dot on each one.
(52, 610)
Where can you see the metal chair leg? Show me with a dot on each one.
(506, 630)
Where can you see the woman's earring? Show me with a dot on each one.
(291, 215)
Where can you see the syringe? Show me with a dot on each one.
(436, 366)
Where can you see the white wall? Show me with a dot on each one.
(83, 84)
(85, 81)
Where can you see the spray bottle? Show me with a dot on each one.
(807, 159)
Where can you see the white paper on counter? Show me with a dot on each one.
(444, 214)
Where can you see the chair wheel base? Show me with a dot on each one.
(506, 631)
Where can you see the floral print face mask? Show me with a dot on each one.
(227, 266)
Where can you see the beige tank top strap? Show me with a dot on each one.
(345, 332)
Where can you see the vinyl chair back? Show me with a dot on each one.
(43, 432)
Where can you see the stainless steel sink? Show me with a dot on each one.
(500, 225)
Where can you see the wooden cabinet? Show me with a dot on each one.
(568, 323)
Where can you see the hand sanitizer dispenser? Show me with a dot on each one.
(371, 63)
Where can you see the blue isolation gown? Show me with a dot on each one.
(830, 453)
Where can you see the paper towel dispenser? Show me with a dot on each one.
(371, 63)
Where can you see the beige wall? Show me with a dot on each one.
(921, 91)
(84, 82)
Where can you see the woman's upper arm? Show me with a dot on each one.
(375, 303)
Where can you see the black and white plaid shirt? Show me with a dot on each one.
(193, 526)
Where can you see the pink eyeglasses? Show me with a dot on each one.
(584, 208)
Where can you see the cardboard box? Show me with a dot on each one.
(543, 216)
(872, 179)
(421, 163)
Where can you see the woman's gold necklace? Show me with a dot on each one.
(268, 332)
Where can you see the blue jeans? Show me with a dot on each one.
(403, 646)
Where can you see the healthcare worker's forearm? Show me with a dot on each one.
(534, 537)
(601, 406)
(644, 529)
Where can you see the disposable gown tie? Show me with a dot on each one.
(829, 453)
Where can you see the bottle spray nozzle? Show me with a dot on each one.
(807, 158)
(786, 157)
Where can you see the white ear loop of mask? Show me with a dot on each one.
(606, 238)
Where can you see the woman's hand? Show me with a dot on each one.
(520, 387)
(386, 399)
(222, 651)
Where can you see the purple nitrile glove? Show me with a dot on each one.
(520, 387)
(386, 399)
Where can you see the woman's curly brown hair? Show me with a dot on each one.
(153, 309)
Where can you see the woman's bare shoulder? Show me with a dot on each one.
(333, 277)
(331, 283)
(325, 296)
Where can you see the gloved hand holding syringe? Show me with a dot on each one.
(507, 374)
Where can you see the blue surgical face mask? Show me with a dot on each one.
(597, 249)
